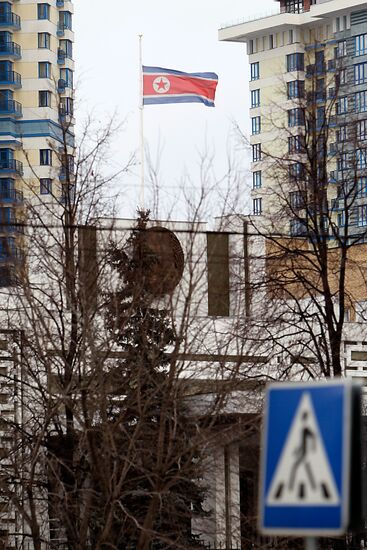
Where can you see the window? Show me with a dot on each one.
(44, 98)
(66, 75)
(66, 46)
(342, 162)
(255, 98)
(66, 106)
(255, 125)
(295, 144)
(341, 49)
(44, 69)
(257, 207)
(341, 78)
(250, 46)
(295, 89)
(320, 117)
(65, 20)
(362, 215)
(256, 152)
(342, 105)
(362, 187)
(44, 40)
(298, 228)
(360, 73)
(294, 6)
(296, 199)
(341, 218)
(45, 157)
(67, 166)
(45, 186)
(296, 171)
(295, 117)
(291, 38)
(362, 129)
(360, 44)
(256, 179)
(43, 11)
(360, 101)
(295, 62)
(255, 71)
(361, 158)
(342, 133)
(271, 41)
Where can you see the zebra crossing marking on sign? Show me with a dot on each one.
(303, 475)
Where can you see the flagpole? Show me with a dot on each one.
(141, 108)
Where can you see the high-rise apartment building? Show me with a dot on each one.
(308, 80)
(36, 110)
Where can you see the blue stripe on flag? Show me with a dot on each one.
(178, 99)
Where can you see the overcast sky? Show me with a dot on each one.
(176, 35)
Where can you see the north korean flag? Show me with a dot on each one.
(169, 86)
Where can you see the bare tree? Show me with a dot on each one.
(313, 228)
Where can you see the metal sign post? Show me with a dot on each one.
(311, 543)
(309, 454)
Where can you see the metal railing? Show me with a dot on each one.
(11, 195)
(10, 106)
(248, 19)
(10, 48)
(10, 19)
(11, 165)
(11, 78)
(12, 226)
(62, 26)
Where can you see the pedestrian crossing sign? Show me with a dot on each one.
(306, 457)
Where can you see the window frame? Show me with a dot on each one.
(255, 125)
(44, 41)
(256, 152)
(360, 44)
(254, 71)
(255, 98)
(256, 179)
(45, 186)
(295, 62)
(257, 206)
(45, 94)
(360, 73)
(45, 157)
(44, 69)
(43, 11)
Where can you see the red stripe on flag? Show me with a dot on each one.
(168, 84)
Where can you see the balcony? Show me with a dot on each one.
(61, 85)
(10, 254)
(315, 69)
(14, 225)
(331, 65)
(62, 27)
(316, 97)
(10, 20)
(10, 49)
(61, 56)
(11, 196)
(10, 78)
(10, 107)
(11, 166)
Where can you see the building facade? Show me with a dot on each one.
(308, 87)
(36, 114)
